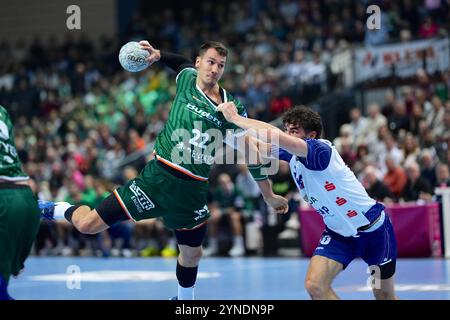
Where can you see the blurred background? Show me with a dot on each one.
(84, 125)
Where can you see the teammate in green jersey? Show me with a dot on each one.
(174, 185)
(19, 212)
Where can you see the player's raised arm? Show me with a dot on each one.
(174, 61)
(264, 131)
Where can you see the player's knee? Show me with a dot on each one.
(384, 294)
(192, 257)
(314, 287)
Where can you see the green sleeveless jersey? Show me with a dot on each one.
(194, 129)
(10, 166)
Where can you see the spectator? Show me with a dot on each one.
(345, 137)
(435, 116)
(410, 150)
(390, 150)
(428, 167)
(416, 118)
(249, 190)
(374, 186)
(395, 178)
(398, 121)
(358, 123)
(226, 200)
(442, 129)
(388, 107)
(363, 159)
(375, 121)
(442, 175)
(375, 37)
(428, 28)
(417, 187)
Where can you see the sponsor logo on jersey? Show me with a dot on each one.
(201, 213)
(204, 114)
(329, 186)
(340, 201)
(199, 100)
(312, 200)
(4, 133)
(351, 213)
(324, 211)
(8, 159)
(140, 199)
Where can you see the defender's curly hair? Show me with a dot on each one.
(305, 118)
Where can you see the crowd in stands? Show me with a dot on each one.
(83, 125)
(400, 150)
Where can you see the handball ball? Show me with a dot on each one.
(132, 57)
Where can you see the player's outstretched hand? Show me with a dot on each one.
(278, 203)
(155, 54)
(229, 110)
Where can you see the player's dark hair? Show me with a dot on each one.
(220, 48)
(305, 118)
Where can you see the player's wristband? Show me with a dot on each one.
(256, 172)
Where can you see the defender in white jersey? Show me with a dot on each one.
(356, 225)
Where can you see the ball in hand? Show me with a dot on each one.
(132, 57)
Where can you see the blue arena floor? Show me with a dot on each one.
(56, 278)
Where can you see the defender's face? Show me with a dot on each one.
(294, 131)
(299, 132)
(210, 67)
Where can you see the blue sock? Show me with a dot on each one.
(4, 289)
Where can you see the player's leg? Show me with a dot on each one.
(6, 250)
(190, 245)
(27, 217)
(85, 219)
(4, 289)
(238, 248)
(19, 224)
(331, 256)
(320, 275)
(213, 231)
(381, 256)
(386, 290)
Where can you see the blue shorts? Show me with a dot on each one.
(376, 248)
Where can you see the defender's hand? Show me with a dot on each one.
(228, 110)
(278, 203)
(155, 54)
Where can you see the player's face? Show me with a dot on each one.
(298, 132)
(294, 131)
(210, 67)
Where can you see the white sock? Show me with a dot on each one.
(185, 293)
(60, 209)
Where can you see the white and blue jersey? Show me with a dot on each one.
(332, 189)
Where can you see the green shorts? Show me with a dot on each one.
(157, 193)
(19, 225)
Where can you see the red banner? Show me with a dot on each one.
(416, 227)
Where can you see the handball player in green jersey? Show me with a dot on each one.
(19, 212)
(174, 185)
